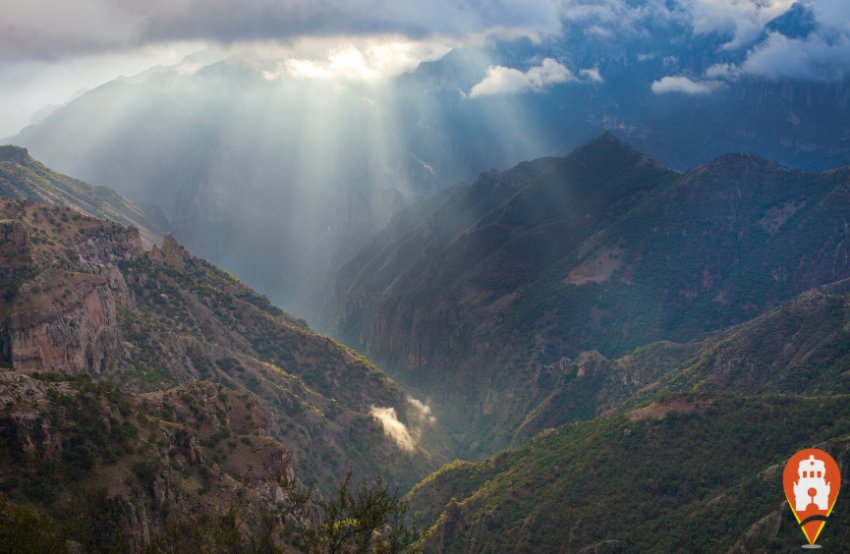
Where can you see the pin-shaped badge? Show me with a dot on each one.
(811, 481)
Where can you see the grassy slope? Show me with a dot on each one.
(688, 474)
(800, 347)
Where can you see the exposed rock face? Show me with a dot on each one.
(79, 335)
(111, 244)
(14, 244)
(471, 294)
(171, 253)
(63, 288)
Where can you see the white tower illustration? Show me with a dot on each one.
(811, 488)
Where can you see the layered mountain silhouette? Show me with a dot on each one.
(279, 179)
(483, 294)
(652, 344)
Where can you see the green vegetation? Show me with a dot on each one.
(483, 293)
(371, 519)
(687, 474)
(368, 519)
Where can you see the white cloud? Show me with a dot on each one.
(741, 20)
(393, 428)
(832, 14)
(406, 437)
(813, 58)
(726, 71)
(507, 80)
(421, 411)
(605, 17)
(684, 85)
(370, 58)
(592, 74)
(822, 55)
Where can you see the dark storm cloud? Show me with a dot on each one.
(56, 29)
(45, 29)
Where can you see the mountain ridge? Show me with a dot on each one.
(22, 177)
(665, 256)
(160, 353)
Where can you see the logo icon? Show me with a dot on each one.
(811, 481)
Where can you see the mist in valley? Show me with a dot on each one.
(516, 267)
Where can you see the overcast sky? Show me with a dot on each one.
(49, 49)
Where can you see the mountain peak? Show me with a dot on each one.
(609, 150)
(12, 153)
(605, 144)
(609, 139)
(742, 160)
(798, 22)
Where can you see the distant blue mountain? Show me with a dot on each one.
(280, 180)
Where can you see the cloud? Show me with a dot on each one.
(406, 437)
(47, 29)
(421, 411)
(592, 74)
(615, 19)
(813, 58)
(393, 428)
(684, 85)
(820, 55)
(507, 80)
(741, 20)
(355, 58)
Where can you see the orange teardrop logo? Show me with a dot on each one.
(811, 481)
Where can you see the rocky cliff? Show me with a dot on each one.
(243, 397)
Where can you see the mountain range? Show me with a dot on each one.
(243, 157)
(482, 296)
(646, 342)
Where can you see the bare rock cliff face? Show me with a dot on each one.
(67, 292)
(67, 321)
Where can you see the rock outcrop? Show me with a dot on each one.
(67, 322)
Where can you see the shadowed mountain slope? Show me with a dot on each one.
(602, 250)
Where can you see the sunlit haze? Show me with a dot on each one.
(397, 276)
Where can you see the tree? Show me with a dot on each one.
(373, 519)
